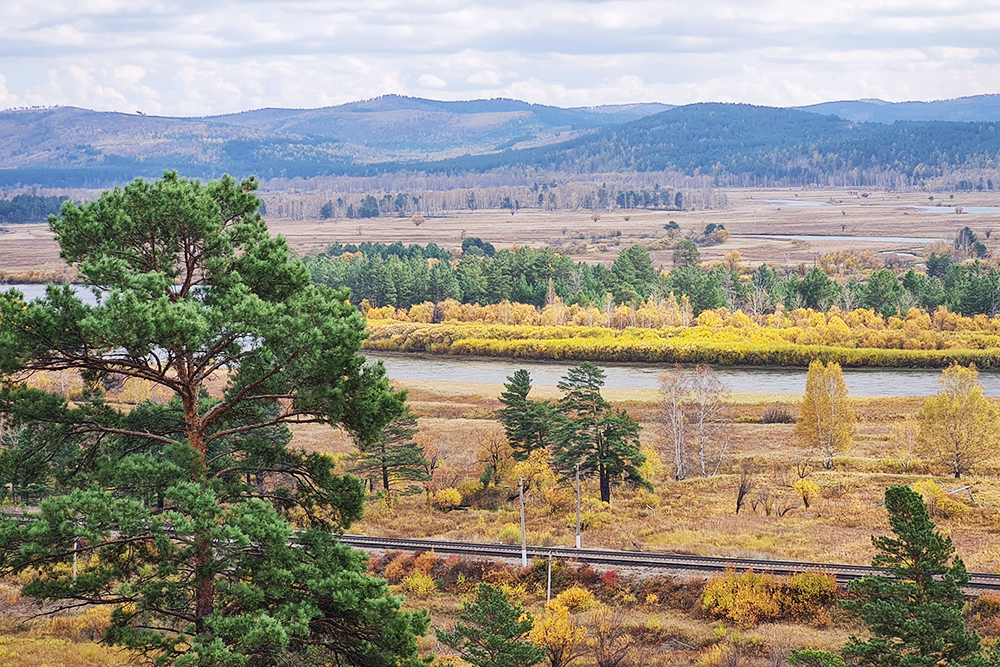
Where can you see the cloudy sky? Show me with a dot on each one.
(191, 58)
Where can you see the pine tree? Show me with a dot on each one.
(914, 610)
(525, 421)
(827, 419)
(392, 453)
(489, 631)
(179, 513)
(588, 432)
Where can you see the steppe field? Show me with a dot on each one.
(843, 213)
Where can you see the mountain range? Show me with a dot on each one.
(72, 146)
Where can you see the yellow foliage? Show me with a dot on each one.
(447, 499)
(576, 598)
(939, 502)
(807, 489)
(826, 419)
(419, 584)
(560, 634)
(652, 470)
(959, 426)
(535, 470)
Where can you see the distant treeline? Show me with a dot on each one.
(402, 276)
(29, 208)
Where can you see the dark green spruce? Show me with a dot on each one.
(490, 630)
(526, 422)
(914, 610)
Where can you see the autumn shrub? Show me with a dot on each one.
(673, 593)
(538, 574)
(610, 579)
(510, 533)
(939, 502)
(427, 562)
(744, 598)
(983, 614)
(808, 595)
(461, 574)
(777, 414)
(398, 567)
(807, 490)
(576, 598)
(419, 584)
(447, 499)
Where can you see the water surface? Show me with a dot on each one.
(860, 382)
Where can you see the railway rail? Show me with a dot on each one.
(639, 559)
(983, 581)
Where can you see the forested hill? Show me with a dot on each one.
(70, 146)
(977, 108)
(742, 144)
(737, 144)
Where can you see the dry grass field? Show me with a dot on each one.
(847, 213)
(695, 515)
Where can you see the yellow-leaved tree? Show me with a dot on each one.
(958, 427)
(827, 419)
(559, 632)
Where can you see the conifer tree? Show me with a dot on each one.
(588, 432)
(392, 453)
(489, 632)
(179, 513)
(526, 422)
(914, 610)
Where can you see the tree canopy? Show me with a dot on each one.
(180, 509)
(827, 420)
(958, 426)
(588, 432)
(914, 610)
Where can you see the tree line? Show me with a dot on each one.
(397, 276)
(29, 208)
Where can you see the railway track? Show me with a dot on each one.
(641, 559)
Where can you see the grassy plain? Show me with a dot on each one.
(695, 515)
(846, 213)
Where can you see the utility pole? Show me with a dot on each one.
(578, 506)
(524, 537)
(548, 586)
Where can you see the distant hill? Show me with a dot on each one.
(743, 144)
(66, 143)
(980, 108)
(736, 143)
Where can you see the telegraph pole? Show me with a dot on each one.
(524, 537)
(578, 506)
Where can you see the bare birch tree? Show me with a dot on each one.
(694, 404)
(673, 386)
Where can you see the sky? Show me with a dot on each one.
(196, 58)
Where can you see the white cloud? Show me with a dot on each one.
(431, 81)
(182, 57)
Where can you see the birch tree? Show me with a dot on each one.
(958, 427)
(827, 420)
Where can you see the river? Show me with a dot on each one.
(860, 382)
